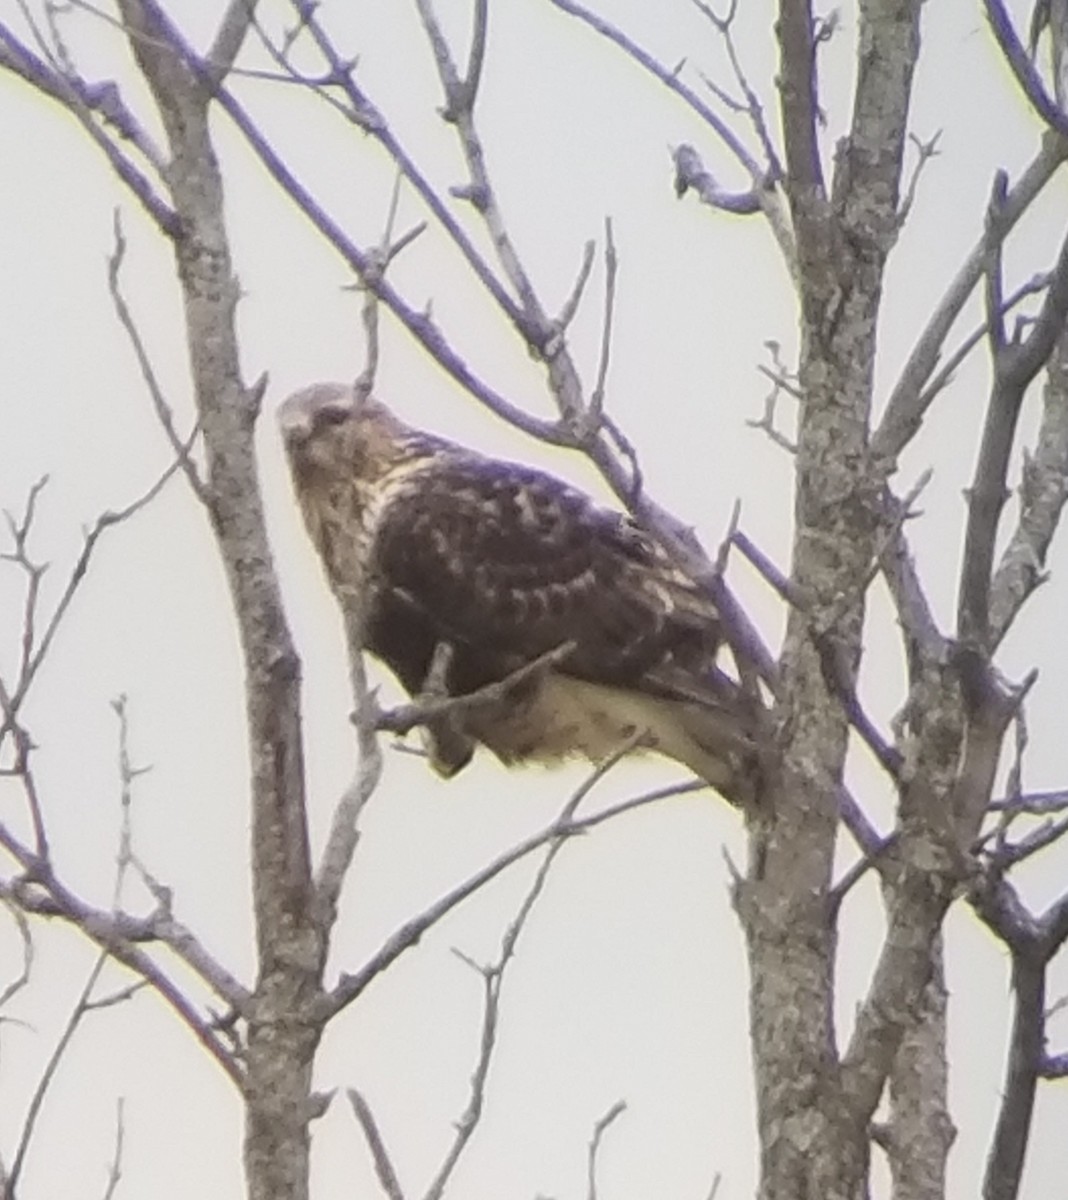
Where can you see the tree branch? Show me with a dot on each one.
(48, 1075)
(230, 36)
(344, 832)
(384, 1169)
(670, 79)
(909, 399)
(599, 1130)
(115, 1169)
(26, 939)
(1015, 365)
(163, 410)
(36, 648)
(798, 105)
(406, 717)
(81, 100)
(365, 114)
(1023, 68)
(691, 173)
(999, 906)
(351, 985)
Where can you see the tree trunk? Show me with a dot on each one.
(284, 1024)
(814, 1132)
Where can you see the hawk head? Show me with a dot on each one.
(330, 428)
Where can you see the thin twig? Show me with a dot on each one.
(1009, 854)
(344, 829)
(571, 304)
(1043, 492)
(406, 717)
(945, 375)
(921, 631)
(164, 412)
(476, 57)
(40, 1092)
(727, 541)
(782, 380)
(753, 106)
(993, 275)
(230, 36)
(380, 259)
(1054, 1066)
(595, 409)
(1014, 781)
(115, 1169)
(767, 569)
(26, 938)
(853, 875)
(344, 833)
(998, 904)
(1033, 803)
(459, 112)
(107, 520)
(599, 1130)
(387, 1176)
(22, 769)
(925, 151)
(667, 77)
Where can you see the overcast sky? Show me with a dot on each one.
(630, 981)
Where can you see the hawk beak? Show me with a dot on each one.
(295, 423)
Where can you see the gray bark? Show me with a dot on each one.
(921, 1132)
(813, 1133)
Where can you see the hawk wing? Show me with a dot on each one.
(503, 564)
(509, 563)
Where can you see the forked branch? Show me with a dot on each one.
(1016, 363)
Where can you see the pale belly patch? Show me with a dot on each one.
(571, 718)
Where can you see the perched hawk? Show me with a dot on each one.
(500, 563)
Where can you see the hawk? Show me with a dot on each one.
(438, 546)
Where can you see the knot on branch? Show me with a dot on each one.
(690, 173)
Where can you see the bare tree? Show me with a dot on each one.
(961, 823)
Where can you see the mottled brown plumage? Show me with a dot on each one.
(503, 563)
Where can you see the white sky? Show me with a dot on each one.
(630, 981)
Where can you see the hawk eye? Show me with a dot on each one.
(331, 416)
